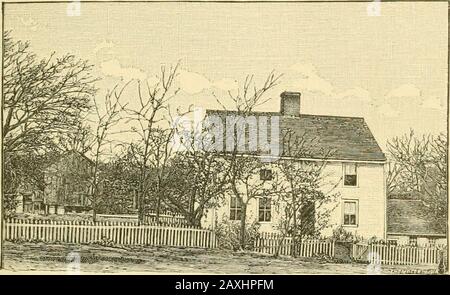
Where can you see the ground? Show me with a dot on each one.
(39, 258)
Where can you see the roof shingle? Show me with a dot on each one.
(346, 138)
(410, 217)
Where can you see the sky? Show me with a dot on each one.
(390, 69)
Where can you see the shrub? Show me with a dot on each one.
(228, 235)
(340, 234)
(10, 203)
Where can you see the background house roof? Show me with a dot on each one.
(345, 138)
(410, 217)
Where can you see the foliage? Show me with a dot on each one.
(340, 234)
(117, 191)
(198, 183)
(10, 203)
(228, 235)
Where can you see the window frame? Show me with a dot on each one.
(265, 209)
(263, 177)
(356, 201)
(392, 242)
(344, 164)
(431, 241)
(235, 209)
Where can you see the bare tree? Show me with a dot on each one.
(243, 170)
(41, 98)
(152, 110)
(419, 166)
(197, 183)
(79, 140)
(303, 199)
(108, 114)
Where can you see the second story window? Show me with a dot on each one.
(265, 174)
(350, 174)
(235, 209)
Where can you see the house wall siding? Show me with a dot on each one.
(370, 194)
(421, 241)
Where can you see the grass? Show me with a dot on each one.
(38, 257)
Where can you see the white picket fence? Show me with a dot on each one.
(120, 233)
(396, 254)
(269, 243)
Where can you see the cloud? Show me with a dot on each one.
(308, 80)
(193, 83)
(105, 44)
(113, 68)
(357, 93)
(226, 84)
(405, 90)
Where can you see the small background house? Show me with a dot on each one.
(68, 184)
(408, 222)
(66, 187)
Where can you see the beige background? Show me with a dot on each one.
(390, 69)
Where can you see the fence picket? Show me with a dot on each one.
(269, 243)
(396, 254)
(82, 232)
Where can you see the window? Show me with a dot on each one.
(432, 241)
(235, 209)
(392, 242)
(350, 174)
(265, 207)
(413, 241)
(350, 212)
(265, 174)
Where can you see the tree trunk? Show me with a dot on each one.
(280, 243)
(158, 207)
(140, 209)
(94, 214)
(198, 221)
(242, 238)
(294, 229)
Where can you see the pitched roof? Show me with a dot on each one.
(410, 217)
(346, 138)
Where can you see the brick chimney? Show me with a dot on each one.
(290, 103)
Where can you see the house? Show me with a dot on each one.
(408, 222)
(68, 183)
(355, 169)
(65, 187)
